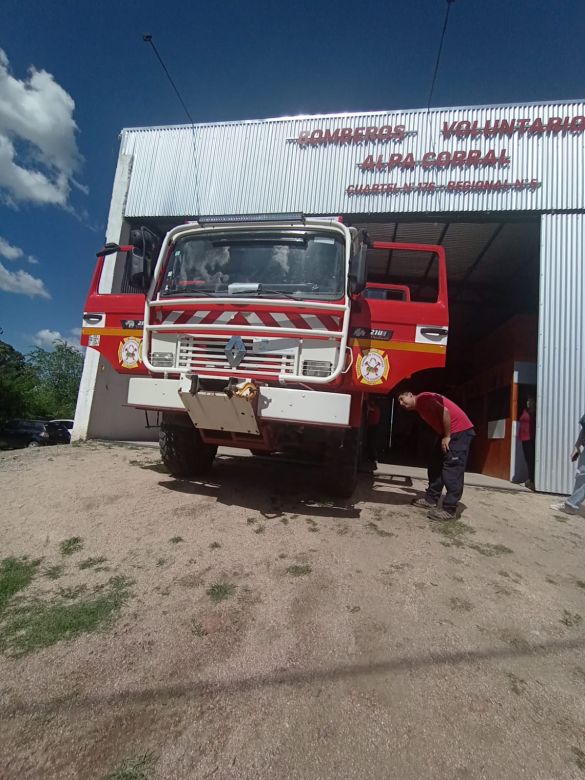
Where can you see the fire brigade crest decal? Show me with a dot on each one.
(372, 367)
(130, 352)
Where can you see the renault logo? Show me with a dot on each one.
(235, 351)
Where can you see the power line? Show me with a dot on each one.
(148, 39)
(449, 4)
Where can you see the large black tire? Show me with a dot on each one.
(343, 466)
(182, 450)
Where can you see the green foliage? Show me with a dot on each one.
(15, 383)
(43, 384)
(15, 575)
(42, 623)
(57, 376)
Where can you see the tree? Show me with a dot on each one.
(56, 380)
(16, 382)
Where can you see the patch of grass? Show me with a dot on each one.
(176, 539)
(517, 684)
(214, 546)
(251, 520)
(15, 575)
(42, 624)
(299, 570)
(379, 531)
(579, 758)
(72, 592)
(453, 529)
(72, 545)
(571, 619)
(220, 591)
(580, 584)
(259, 530)
(54, 572)
(198, 630)
(490, 550)
(161, 561)
(136, 768)
(88, 563)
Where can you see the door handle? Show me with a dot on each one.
(91, 319)
(437, 332)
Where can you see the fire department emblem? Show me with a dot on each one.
(130, 352)
(372, 367)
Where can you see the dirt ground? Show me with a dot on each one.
(355, 640)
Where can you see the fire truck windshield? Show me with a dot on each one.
(299, 264)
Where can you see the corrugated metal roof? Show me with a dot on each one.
(256, 166)
(561, 335)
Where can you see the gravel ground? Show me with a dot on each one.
(356, 640)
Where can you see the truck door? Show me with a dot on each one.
(400, 322)
(113, 322)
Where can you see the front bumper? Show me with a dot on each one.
(279, 404)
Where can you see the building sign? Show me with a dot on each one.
(482, 170)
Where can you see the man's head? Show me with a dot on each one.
(407, 400)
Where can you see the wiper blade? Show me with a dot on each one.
(188, 294)
(263, 293)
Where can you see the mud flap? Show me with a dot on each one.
(220, 412)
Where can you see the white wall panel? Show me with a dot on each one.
(561, 368)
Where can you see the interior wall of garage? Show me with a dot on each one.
(561, 371)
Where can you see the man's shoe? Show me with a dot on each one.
(441, 514)
(423, 503)
(565, 508)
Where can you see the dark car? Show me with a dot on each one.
(32, 433)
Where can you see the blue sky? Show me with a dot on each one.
(93, 75)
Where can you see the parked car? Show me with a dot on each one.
(67, 424)
(32, 433)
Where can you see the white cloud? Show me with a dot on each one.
(38, 146)
(46, 338)
(22, 283)
(8, 251)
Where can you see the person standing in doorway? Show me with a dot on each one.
(448, 458)
(572, 504)
(527, 436)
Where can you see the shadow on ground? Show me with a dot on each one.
(275, 487)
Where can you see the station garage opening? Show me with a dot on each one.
(493, 278)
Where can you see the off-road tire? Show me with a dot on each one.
(183, 452)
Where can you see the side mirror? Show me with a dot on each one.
(108, 249)
(358, 271)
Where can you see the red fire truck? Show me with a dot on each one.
(264, 334)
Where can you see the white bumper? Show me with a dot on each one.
(308, 407)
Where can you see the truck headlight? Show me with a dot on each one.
(162, 359)
(316, 368)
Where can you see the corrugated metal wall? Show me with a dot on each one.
(257, 166)
(561, 368)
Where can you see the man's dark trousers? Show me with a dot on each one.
(447, 469)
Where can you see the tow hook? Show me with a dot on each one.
(245, 389)
(195, 386)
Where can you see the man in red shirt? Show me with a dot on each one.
(449, 456)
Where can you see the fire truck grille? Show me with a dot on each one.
(200, 354)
